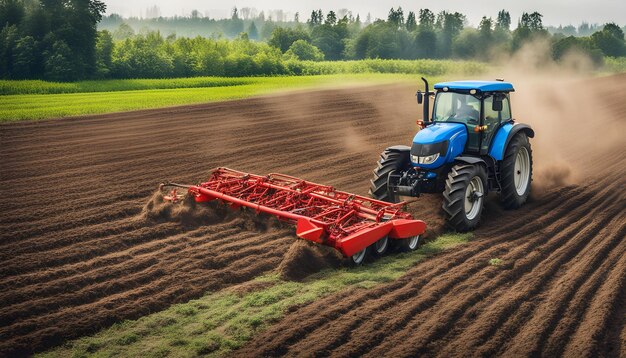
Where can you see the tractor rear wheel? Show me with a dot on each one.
(516, 172)
(391, 160)
(464, 196)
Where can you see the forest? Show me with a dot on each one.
(62, 41)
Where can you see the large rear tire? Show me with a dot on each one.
(393, 159)
(464, 196)
(516, 172)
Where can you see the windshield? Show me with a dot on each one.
(456, 107)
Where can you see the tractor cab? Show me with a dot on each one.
(481, 106)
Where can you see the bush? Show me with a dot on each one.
(302, 50)
(58, 66)
(283, 38)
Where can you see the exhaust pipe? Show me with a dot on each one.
(426, 102)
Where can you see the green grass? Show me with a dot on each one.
(223, 321)
(495, 261)
(615, 64)
(8, 87)
(16, 107)
(423, 67)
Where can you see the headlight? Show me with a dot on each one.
(428, 159)
(428, 153)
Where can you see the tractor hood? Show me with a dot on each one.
(447, 139)
(438, 132)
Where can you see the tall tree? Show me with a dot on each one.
(503, 22)
(282, 38)
(331, 18)
(426, 19)
(529, 27)
(253, 33)
(396, 17)
(8, 39)
(485, 28)
(425, 43)
(411, 23)
(532, 21)
(610, 40)
(24, 58)
(104, 54)
(59, 65)
(450, 25)
(11, 12)
(330, 39)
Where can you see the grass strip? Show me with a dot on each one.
(225, 320)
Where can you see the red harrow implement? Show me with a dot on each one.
(348, 222)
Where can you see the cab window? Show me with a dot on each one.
(491, 115)
(493, 119)
(456, 107)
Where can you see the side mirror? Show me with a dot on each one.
(420, 97)
(496, 105)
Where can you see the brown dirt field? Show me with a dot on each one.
(80, 248)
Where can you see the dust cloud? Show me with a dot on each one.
(565, 105)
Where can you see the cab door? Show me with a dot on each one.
(492, 120)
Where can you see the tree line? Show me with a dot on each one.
(58, 40)
(52, 39)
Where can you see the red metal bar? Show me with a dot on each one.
(345, 221)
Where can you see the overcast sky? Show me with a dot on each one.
(556, 12)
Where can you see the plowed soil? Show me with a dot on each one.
(85, 244)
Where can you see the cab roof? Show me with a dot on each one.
(482, 86)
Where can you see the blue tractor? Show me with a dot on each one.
(470, 146)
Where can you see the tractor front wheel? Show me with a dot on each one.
(516, 172)
(464, 196)
(392, 160)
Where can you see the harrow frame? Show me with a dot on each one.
(348, 222)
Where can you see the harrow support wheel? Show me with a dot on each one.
(358, 258)
(409, 244)
(380, 247)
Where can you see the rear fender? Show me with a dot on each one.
(504, 135)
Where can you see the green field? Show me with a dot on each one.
(122, 95)
(35, 99)
(223, 321)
